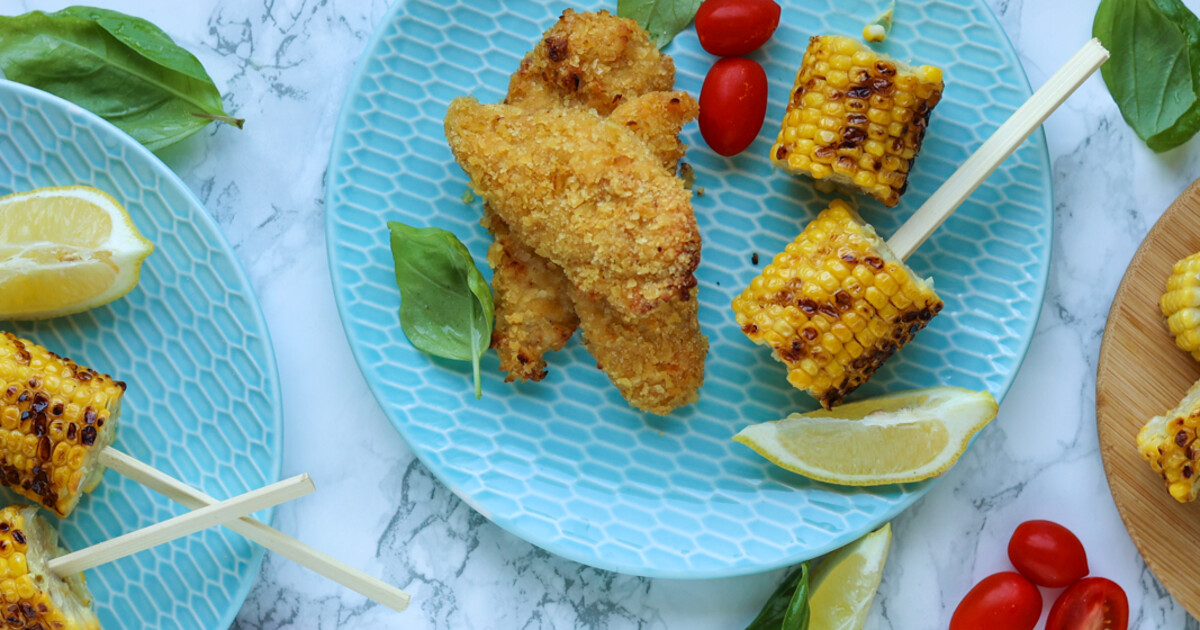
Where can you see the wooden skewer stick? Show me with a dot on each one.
(282, 544)
(996, 149)
(182, 525)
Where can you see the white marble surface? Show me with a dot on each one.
(284, 65)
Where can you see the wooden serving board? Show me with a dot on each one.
(1141, 375)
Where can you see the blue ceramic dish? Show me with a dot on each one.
(203, 401)
(566, 463)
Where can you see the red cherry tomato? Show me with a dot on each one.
(1004, 601)
(733, 104)
(1090, 604)
(1047, 553)
(732, 28)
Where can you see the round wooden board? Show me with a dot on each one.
(1141, 375)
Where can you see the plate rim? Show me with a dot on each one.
(270, 370)
(1038, 138)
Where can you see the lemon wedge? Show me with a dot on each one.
(65, 250)
(902, 437)
(845, 582)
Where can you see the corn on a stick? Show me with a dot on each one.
(35, 409)
(838, 302)
(44, 589)
(55, 418)
(300, 553)
(33, 597)
(182, 525)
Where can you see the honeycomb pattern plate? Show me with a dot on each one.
(565, 463)
(203, 401)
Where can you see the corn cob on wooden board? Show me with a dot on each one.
(566, 463)
(202, 403)
(1141, 375)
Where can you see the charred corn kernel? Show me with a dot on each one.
(35, 598)
(1169, 443)
(1181, 304)
(833, 338)
(875, 104)
(46, 425)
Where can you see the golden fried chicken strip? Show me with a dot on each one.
(655, 360)
(534, 314)
(585, 193)
(593, 60)
(657, 118)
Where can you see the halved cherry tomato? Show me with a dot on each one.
(732, 28)
(733, 104)
(1090, 604)
(1047, 553)
(1003, 601)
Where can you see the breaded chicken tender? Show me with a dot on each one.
(604, 65)
(585, 193)
(595, 61)
(534, 313)
(592, 60)
(656, 360)
(656, 118)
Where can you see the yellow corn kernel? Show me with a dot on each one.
(1180, 304)
(34, 597)
(850, 101)
(59, 404)
(820, 308)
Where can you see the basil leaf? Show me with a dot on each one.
(787, 608)
(122, 68)
(446, 306)
(144, 37)
(1153, 73)
(663, 19)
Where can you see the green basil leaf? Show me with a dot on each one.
(1153, 73)
(787, 608)
(446, 306)
(663, 19)
(122, 68)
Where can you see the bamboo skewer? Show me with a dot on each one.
(996, 149)
(182, 525)
(282, 544)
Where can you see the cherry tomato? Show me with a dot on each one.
(733, 104)
(1090, 604)
(1003, 601)
(1047, 553)
(732, 28)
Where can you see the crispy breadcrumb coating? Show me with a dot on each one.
(593, 60)
(534, 314)
(590, 60)
(585, 193)
(656, 119)
(604, 64)
(655, 360)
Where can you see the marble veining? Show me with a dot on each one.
(284, 66)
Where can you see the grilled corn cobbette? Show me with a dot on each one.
(35, 598)
(856, 118)
(1169, 443)
(56, 416)
(835, 305)
(1181, 304)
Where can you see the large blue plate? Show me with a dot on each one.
(203, 400)
(565, 463)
